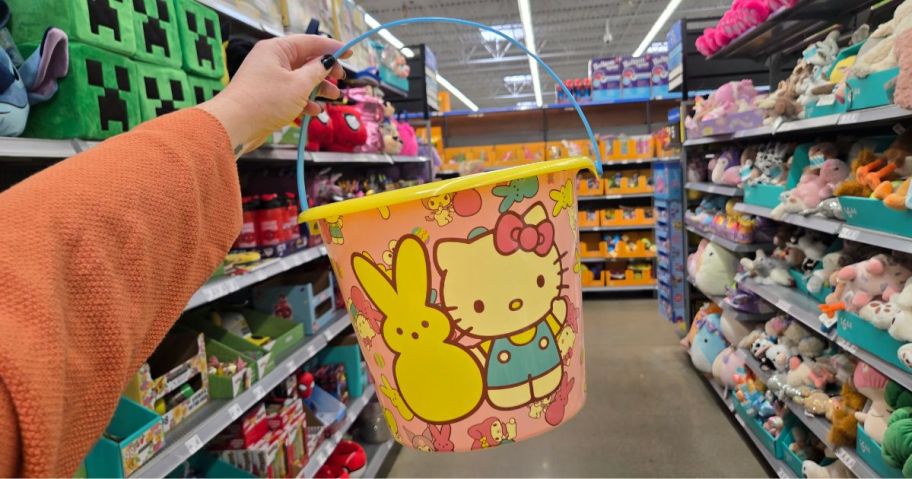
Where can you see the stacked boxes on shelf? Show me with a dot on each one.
(669, 234)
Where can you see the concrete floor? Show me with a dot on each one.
(647, 415)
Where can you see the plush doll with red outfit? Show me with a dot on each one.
(348, 131)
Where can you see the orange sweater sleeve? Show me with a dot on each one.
(99, 255)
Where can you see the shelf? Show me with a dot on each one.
(806, 311)
(729, 244)
(221, 287)
(792, 302)
(636, 161)
(589, 229)
(290, 153)
(197, 430)
(860, 118)
(781, 468)
(232, 12)
(329, 444)
(876, 238)
(584, 259)
(376, 455)
(819, 426)
(617, 289)
(816, 223)
(789, 30)
(616, 197)
(715, 189)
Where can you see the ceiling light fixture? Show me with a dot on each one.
(657, 26)
(525, 16)
(409, 53)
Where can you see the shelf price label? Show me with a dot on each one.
(851, 348)
(259, 392)
(290, 367)
(235, 411)
(784, 305)
(848, 118)
(849, 234)
(193, 444)
(843, 455)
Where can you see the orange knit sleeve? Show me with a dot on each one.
(99, 254)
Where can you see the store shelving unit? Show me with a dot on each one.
(617, 289)
(319, 456)
(628, 196)
(729, 244)
(376, 456)
(714, 188)
(816, 223)
(192, 434)
(591, 229)
(818, 426)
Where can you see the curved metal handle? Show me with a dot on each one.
(302, 193)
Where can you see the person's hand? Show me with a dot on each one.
(273, 86)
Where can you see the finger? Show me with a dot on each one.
(329, 91)
(313, 108)
(311, 75)
(338, 72)
(303, 48)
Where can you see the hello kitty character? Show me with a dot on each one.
(503, 288)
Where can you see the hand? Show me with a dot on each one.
(273, 86)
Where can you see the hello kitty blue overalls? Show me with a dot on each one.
(513, 364)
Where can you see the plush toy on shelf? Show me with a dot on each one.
(714, 268)
(860, 283)
(892, 164)
(727, 168)
(843, 424)
(813, 187)
(33, 82)
(833, 470)
(879, 53)
(766, 269)
(770, 165)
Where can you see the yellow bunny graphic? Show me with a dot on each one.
(438, 380)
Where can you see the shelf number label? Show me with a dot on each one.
(258, 392)
(849, 234)
(235, 411)
(847, 459)
(193, 444)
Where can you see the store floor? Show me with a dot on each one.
(647, 415)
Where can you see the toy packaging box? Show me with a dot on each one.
(605, 75)
(305, 298)
(635, 77)
(132, 437)
(658, 78)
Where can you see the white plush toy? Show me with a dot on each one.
(837, 469)
(821, 276)
(901, 325)
(715, 269)
(767, 270)
(878, 53)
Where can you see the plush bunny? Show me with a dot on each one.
(812, 188)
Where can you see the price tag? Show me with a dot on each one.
(846, 459)
(290, 367)
(849, 234)
(781, 472)
(826, 100)
(193, 444)
(235, 411)
(851, 348)
(849, 118)
(258, 392)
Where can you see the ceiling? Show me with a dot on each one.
(568, 34)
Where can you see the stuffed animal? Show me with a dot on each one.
(778, 355)
(880, 52)
(319, 132)
(769, 167)
(707, 343)
(897, 441)
(726, 366)
(348, 132)
(889, 165)
(861, 283)
(392, 145)
(820, 278)
(843, 425)
(812, 188)
(408, 139)
(34, 82)
(828, 208)
(870, 383)
(714, 269)
(902, 96)
(732, 329)
(817, 403)
(767, 270)
(833, 470)
(706, 309)
(727, 169)
(808, 373)
(900, 327)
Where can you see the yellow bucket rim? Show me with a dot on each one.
(434, 188)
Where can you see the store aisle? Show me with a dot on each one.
(648, 414)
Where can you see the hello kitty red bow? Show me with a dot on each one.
(512, 234)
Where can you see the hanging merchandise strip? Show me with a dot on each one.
(302, 192)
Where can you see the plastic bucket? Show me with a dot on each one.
(466, 298)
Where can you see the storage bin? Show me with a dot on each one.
(872, 454)
(589, 218)
(99, 98)
(229, 386)
(156, 32)
(593, 275)
(206, 464)
(643, 277)
(764, 437)
(105, 24)
(162, 90)
(872, 91)
(866, 336)
(201, 39)
(133, 436)
(307, 298)
(346, 351)
(261, 359)
(873, 214)
(591, 186)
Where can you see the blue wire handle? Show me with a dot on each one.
(302, 141)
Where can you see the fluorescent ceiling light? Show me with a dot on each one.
(657, 26)
(455, 91)
(525, 15)
(514, 30)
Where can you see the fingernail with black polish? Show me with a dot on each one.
(328, 61)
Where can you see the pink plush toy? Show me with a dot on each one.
(903, 50)
(727, 168)
(813, 187)
(753, 12)
(860, 283)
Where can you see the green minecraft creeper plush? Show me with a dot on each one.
(98, 99)
(103, 23)
(161, 90)
(201, 39)
(157, 38)
(203, 89)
